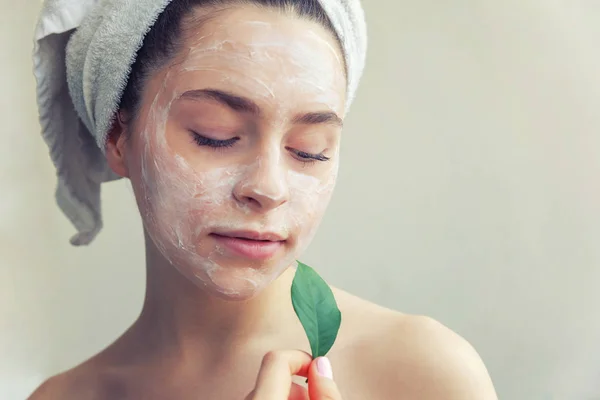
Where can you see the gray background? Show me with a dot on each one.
(469, 191)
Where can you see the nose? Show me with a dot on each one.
(264, 187)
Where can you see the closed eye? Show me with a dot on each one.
(307, 157)
(302, 156)
(213, 143)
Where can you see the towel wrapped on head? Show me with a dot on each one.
(83, 53)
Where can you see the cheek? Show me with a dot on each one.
(309, 198)
(212, 202)
(179, 190)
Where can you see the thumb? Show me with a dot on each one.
(320, 381)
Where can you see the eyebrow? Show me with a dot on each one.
(319, 117)
(243, 104)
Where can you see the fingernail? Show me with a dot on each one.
(324, 367)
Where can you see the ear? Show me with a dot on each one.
(116, 146)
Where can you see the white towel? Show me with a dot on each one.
(83, 53)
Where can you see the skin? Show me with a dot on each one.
(215, 325)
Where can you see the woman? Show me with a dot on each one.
(229, 130)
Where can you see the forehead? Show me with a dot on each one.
(264, 52)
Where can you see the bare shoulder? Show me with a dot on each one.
(440, 364)
(80, 383)
(62, 386)
(413, 356)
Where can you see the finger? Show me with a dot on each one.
(320, 381)
(298, 392)
(275, 376)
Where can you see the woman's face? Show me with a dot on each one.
(236, 148)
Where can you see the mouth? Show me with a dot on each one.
(253, 245)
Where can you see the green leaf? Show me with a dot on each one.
(316, 308)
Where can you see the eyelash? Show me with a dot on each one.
(308, 158)
(304, 157)
(213, 143)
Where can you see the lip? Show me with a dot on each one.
(250, 244)
(253, 235)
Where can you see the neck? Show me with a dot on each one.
(183, 320)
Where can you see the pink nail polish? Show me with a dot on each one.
(324, 367)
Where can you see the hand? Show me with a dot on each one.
(274, 380)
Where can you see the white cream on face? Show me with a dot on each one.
(284, 68)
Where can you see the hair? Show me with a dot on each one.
(163, 41)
